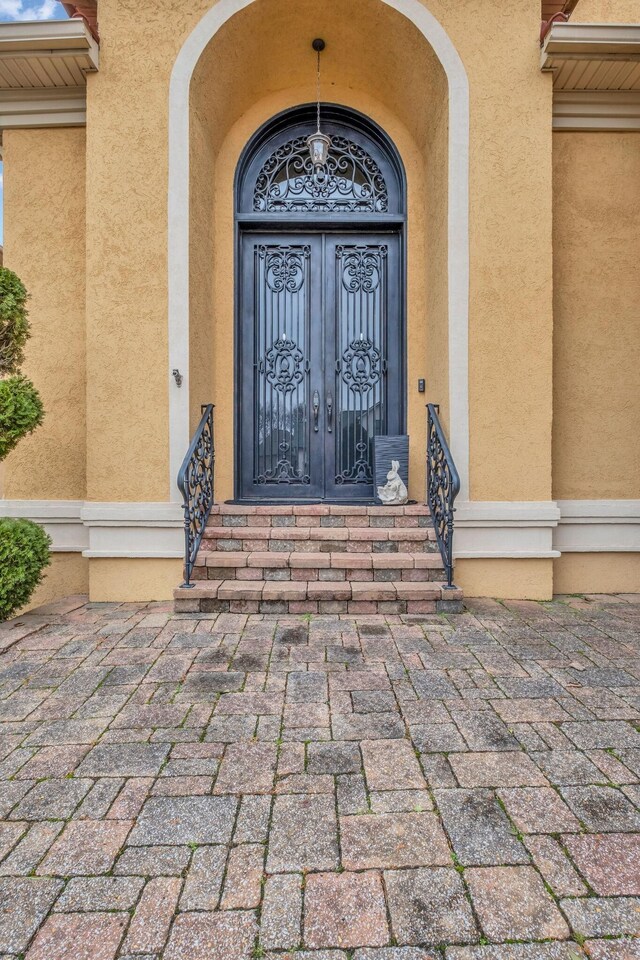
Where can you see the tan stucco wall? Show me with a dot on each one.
(607, 11)
(596, 453)
(44, 214)
(510, 345)
(127, 135)
(597, 573)
(510, 321)
(204, 308)
(67, 576)
(435, 313)
(142, 579)
(530, 579)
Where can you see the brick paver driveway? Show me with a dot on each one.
(199, 787)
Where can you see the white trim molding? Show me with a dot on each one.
(60, 519)
(596, 110)
(505, 529)
(458, 225)
(598, 526)
(150, 530)
(483, 529)
(57, 107)
(153, 530)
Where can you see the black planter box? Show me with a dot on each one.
(386, 449)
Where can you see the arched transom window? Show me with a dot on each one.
(351, 181)
(363, 179)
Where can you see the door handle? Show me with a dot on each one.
(316, 410)
(329, 412)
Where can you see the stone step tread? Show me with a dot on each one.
(315, 590)
(414, 534)
(319, 510)
(233, 559)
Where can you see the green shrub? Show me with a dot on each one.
(14, 323)
(24, 553)
(21, 411)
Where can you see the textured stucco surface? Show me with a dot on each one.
(123, 578)
(607, 11)
(127, 154)
(510, 347)
(44, 210)
(506, 579)
(510, 322)
(67, 575)
(597, 316)
(597, 573)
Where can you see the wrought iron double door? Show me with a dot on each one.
(320, 353)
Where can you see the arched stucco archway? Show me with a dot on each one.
(457, 221)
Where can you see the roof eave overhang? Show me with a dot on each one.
(43, 70)
(54, 37)
(590, 41)
(596, 75)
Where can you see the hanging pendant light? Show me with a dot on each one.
(318, 143)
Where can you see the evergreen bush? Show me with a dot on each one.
(24, 553)
(21, 411)
(14, 322)
(24, 546)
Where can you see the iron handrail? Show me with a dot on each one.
(195, 482)
(443, 486)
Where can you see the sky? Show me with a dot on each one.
(11, 10)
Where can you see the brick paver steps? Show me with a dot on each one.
(318, 558)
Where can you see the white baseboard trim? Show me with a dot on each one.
(483, 529)
(60, 519)
(147, 530)
(598, 526)
(502, 529)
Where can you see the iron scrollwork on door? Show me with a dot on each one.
(281, 369)
(284, 365)
(284, 268)
(361, 268)
(350, 182)
(361, 366)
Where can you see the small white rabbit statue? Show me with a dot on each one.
(394, 491)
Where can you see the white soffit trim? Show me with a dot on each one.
(590, 40)
(598, 526)
(596, 75)
(458, 226)
(43, 69)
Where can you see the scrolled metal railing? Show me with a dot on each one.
(195, 482)
(443, 486)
